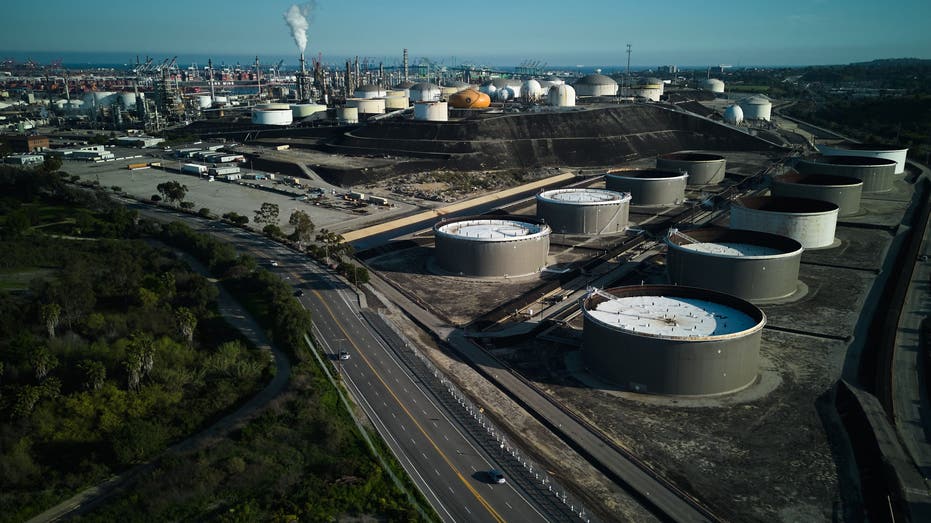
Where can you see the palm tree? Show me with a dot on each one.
(51, 315)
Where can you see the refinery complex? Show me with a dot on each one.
(669, 296)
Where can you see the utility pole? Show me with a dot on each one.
(627, 79)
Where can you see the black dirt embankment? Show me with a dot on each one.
(578, 138)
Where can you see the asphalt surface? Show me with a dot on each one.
(445, 461)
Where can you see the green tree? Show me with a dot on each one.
(303, 227)
(51, 164)
(42, 362)
(172, 191)
(138, 439)
(94, 373)
(140, 358)
(236, 219)
(267, 214)
(51, 315)
(187, 323)
(273, 231)
(17, 223)
(26, 398)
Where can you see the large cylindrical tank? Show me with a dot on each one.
(431, 111)
(393, 103)
(492, 247)
(273, 116)
(369, 91)
(671, 339)
(367, 105)
(595, 85)
(273, 105)
(648, 186)
(752, 265)
(734, 115)
(713, 84)
(305, 110)
(872, 150)
(843, 191)
(469, 99)
(810, 222)
(424, 92)
(448, 90)
(347, 115)
(561, 96)
(878, 174)
(756, 107)
(128, 101)
(584, 211)
(100, 99)
(702, 168)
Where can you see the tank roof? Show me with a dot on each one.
(851, 160)
(492, 229)
(646, 174)
(671, 316)
(584, 196)
(781, 204)
(407, 84)
(423, 86)
(596, 79)
(690, 156)
(730, 249)
(825, 180)
(721, 241)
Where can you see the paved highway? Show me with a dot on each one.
(447, 462)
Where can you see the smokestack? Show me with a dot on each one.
(348, 79)
(405, 65)
(381, 75)
(301, 95)
(213, 96)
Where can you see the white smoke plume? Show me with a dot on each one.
(297, 18)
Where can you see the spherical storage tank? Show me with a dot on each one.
(561, 96)
(347, 115)
(843, 191)
(273, 116)
(584, 211)
(734, 115)
(869, 150)
(756, 107)
(367, 105)
(469, 99)
(671, 340)
(648, 186)
(878, 174)
(492, 247)
(752, 265)
(532, 90)
(702, 168)
(369, 91)
(810, 222)
(713, 84)
(424, 92)
(595, 85)
(431, 111)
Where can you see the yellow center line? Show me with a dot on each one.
(475, 493)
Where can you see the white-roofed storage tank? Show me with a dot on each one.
(584, 211)
(347, 115)
(424, 92)
(431, 111)
(369, 91)
(734, 115)
(531, 90)
(809, 222)
(671, 339)
(204, 101)
(873, 150)
(367, 105)
(561, 96)
(713, 85)
(756, 107)
(595, 85)
(273, 116)
(305, 110)
(492, 247)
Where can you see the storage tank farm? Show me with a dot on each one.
(843, 191)
(648, 186)
(671, 339)
(869, 150)
(595, 85)
(584, 211)
(755, 266)
(878, 174)
(480, 246)
(810, 222)
(702, 168)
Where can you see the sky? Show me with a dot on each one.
(487, 32)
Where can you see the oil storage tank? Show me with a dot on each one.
(844, 191)
(870, 150)
(810, 222)
(584, 211)
(367, 105)
(878, 174)
(275, 116)
(347, 115)
(561, 96)
(648, 186)
(713, 85)
(757, 107)
(671, 339)
(595, 85)
(492, 247)
(752, 265)
(424, 92)
(469, 99)
(702, 168)
(431, 111)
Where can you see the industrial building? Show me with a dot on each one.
(877, 174)
(671, 339)
(584, 211)
(492, 247)
(888, 152)
(702, 168)
(810, 222)
(843, 191)
(22, 143)
(648, 186)
(752, 265)
(595, 85)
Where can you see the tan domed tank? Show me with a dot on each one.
(469, 99)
